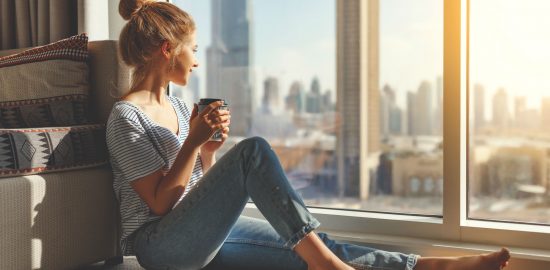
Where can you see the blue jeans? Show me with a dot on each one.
(206, 230)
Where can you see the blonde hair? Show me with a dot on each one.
(150, 23)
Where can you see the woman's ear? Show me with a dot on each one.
(166, 49)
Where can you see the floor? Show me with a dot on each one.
(130, 263)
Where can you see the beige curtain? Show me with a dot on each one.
(26, 23)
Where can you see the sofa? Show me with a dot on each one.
(68, 218)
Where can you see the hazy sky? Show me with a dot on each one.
(510, 47)
(295, 40)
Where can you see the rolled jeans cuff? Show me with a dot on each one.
(411, 261)
(298, 236)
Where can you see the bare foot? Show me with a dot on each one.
(333, 267)
(491, 261)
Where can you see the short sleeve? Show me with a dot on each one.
(133, 154)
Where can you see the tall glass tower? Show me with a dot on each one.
(230, 61)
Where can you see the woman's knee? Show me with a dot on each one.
(254, 143)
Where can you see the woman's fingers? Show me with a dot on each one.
(218, 119)
(210, 108)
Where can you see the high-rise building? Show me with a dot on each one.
(390, 114)
(501, 114)
(545, 114)
(230, 61)
(270, 99)
(479, 106)
(438, 114)
(295, 99)
(385, 112)
(423, 120)
(314, 99)
(358, 95)
(411, 101)
(520, 109)
(327, 101)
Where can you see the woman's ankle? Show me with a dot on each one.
(316, 254)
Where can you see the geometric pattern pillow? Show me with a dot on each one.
(36, 150)
(46, 86)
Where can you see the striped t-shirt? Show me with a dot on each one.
(138, 147)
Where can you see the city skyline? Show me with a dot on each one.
(303, 45)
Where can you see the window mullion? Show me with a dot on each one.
(452, 158)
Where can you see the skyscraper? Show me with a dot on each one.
(438, 114)
(501, 114)
(387, 104)
(357, 94)
(520, 109)
(479, 106)
(270, 99)
(295, 100)
(423, 122)
(411, 101)
(314, 98)
(390, 113)
(545, 114)
(230, 60)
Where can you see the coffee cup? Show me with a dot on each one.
(203, 103)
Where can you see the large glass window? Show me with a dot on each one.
(509, 111)
(293, 72)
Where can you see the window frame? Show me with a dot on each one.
(454, 225)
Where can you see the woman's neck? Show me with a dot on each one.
(151, 91)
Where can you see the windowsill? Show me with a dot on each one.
(417, 245)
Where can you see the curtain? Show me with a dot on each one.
(26, 23)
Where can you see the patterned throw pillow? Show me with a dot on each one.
(31, 151)
(46, 85)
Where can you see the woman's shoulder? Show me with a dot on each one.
(125, 111)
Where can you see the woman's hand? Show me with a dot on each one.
(204, 124)
(212, 146)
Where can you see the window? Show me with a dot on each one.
(380, 165)
(276, 63)
(509, 132)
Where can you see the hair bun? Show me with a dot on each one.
(127, 8)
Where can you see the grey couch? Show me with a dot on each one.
(65, 220)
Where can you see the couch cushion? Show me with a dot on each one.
(59, 220)
(46, 85)
(36, 150)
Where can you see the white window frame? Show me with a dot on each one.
(455, 225)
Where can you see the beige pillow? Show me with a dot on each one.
(46, 85)
(37, 150)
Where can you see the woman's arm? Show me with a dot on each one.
(161, 192)
(208, 159)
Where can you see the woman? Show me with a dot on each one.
(180, 209)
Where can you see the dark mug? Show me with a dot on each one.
(203, 103)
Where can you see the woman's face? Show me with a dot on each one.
(184, 62)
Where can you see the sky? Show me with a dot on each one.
(510, 47)
(295, 40)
